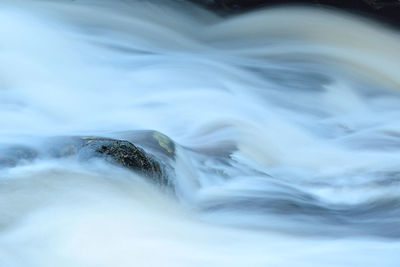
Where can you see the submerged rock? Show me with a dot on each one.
(154, 161)
(11, 156)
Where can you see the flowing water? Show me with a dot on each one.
(286, 125)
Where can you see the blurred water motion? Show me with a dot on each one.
(285, 124)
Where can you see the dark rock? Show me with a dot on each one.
(119, 152)
(127, 155)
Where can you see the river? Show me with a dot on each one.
(285, 121)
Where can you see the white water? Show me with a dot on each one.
(287, 121)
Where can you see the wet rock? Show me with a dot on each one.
(153, 141)
(11, 156)
(119, 152)
(152, 158)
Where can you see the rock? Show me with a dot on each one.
(156, 142)
(11, 156)
(119, 152)
(155, 162)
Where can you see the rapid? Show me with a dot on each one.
(285, 121)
